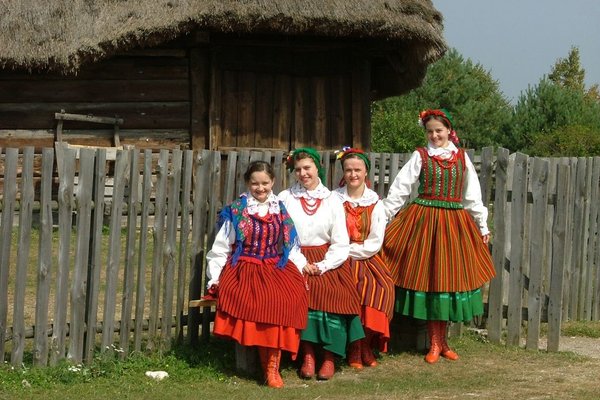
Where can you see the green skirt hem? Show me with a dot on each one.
(334, 332)
(444, 306)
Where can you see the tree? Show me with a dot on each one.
(481, 112)
(557, 113)
(567, 72)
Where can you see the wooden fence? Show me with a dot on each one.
(119, 245)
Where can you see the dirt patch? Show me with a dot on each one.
(585, 346)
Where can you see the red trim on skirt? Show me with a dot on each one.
(377, 322)
(248, 333)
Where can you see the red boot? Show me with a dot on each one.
(368, 358)
(447, 352)
(435, 340)
(354, 355)
(327, 368)
(307, 371)
(270, 359)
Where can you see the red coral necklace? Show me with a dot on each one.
(310, 208)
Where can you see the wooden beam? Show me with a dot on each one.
(88, 118)
(202, 303)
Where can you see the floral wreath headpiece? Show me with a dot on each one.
(346, 151)
(293, 156)
(443, 113)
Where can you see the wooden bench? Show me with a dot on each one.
(246, 358)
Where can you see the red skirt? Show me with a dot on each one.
(262, 305)
(377, 322)
(334, 291)
(248, 333)
(258, 291)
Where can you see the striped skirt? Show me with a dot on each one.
(260, 292)
(431, 249)
(374, 284)
(334, 291)
(376, 290)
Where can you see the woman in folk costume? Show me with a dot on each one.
(437, 247)
(262, 299)
(365, 221)
(334, 304)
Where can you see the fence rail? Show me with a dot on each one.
(115, 272)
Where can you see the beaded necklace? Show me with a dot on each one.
(310, 208)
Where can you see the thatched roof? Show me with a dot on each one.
(63, 35)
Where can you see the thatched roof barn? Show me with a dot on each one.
(224, 73)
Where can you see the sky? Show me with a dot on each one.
(519, 41)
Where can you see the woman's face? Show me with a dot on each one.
(260, 185)
(355, 173)
(437, 133)
(307, 173)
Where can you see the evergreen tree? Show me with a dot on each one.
(481, 112)
(558, 116)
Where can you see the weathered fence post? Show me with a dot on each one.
(517, 231)
(559, 235)
(40, 352)
(536, 297)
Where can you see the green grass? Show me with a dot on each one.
(484, 371)
(581, 328)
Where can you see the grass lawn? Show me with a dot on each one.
(484, 371)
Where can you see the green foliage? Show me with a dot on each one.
(394, 126)
(570, 141)
(556, 117)
(479, 109)
(549, 111)
(567, 72)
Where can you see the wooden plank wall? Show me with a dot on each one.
(266, 111)
(297, 98)
(151, 248)
(149, 89)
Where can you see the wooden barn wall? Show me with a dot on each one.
(217, 92)
(286, 97)
(149, 89)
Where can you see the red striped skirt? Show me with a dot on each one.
(433, 249)
(334, 291)
(374, 284)
(260, 292)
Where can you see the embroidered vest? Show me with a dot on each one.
(441, 181)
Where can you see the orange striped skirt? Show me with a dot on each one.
(334, 291)
(431, 249)
(374, 284)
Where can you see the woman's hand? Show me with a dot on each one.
(486, 238)
(311, 269)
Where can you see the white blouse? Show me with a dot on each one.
(326, 225)
(221, 249)
(409, 174)
(374, 240)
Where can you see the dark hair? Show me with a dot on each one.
(259, 166)
(443, 120)
(356, 156)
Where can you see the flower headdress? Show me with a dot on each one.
(293, 156)
(346, 151)
(443, 113)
